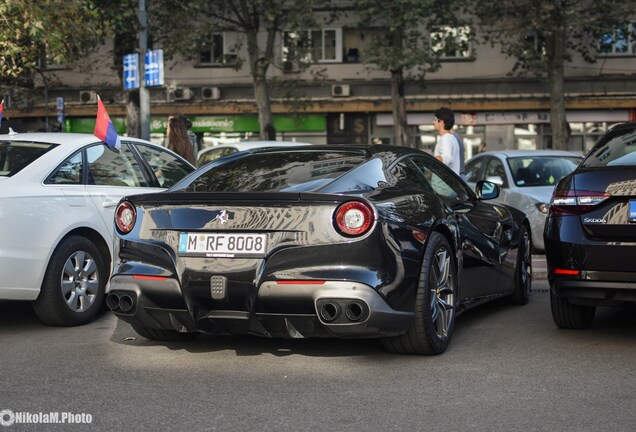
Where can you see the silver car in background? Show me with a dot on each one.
(526, 178)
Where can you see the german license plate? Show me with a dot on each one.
(222, 245)
(632, 210)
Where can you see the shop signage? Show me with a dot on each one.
(212, 124)
(511, 117)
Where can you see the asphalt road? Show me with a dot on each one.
(508, 368)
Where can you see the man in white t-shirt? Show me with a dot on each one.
(447, 147)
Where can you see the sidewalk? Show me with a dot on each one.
(539, 267)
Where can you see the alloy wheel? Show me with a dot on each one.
(442, 294)
(80, 281)
(526, 262)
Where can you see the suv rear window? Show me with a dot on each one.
(617, 148)
(276, 171)
(15, 155)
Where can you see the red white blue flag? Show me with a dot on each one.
(104, 128)
(1, 107)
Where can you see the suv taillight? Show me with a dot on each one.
(353, 218)
(125, 217)
(574, 202)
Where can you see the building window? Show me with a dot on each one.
(584, 135)
(622, 41)
(526, 137)
(213, 50)
(47, 61)
(451, 42)
(312, 46)
(534, 44)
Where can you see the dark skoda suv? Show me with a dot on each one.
(590, 232)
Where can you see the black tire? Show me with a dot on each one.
(523, 269)
(569, 316)
(72, 291)
(435, 302)
(163, 335)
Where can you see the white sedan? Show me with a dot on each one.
(526, 179)
(58, 193)
(212, 153)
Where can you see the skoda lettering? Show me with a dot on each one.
(594, 220)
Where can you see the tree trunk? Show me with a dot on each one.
(133, 117)
(556, 61)
(261, 95)
(259, 66)
(400, 125)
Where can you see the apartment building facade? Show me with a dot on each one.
(333, 96)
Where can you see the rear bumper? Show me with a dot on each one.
(605, 268)
(567, 246)
(590, 290)
(329, 309)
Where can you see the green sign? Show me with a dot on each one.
(216, 124)
(87, 125)
(212, 124)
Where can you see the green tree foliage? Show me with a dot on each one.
(57, 31)
(121, 19)
(542, 36)
(400, 43)
(180, 26)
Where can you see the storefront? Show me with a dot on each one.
(501, 130)
(214, 130)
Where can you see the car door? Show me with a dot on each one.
(67, 179)
(68, 197)
(166, 167)
(481, 229)
(112, 174)
(474, 169)
(495, 171)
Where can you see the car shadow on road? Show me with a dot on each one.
(612, 322)
(247, 345)
(17, 313)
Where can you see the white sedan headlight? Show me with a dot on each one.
(543, 207)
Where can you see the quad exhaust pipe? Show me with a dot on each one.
(330, 311)
(355, 311)
(120, 302)
(342, 311)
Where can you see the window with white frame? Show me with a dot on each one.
(214, 50)
(621, 41)
(534, 44)
(313, 46)
(451, 42)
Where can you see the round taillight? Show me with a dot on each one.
(354, 218)
(125, 217)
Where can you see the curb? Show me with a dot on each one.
(539, 267)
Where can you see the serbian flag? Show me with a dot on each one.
(1, 107)
(104, 128)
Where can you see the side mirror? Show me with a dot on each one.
(486, 190)
(496, 180)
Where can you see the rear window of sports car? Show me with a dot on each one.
(284, 171)
(615, 149)
(15, 155)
